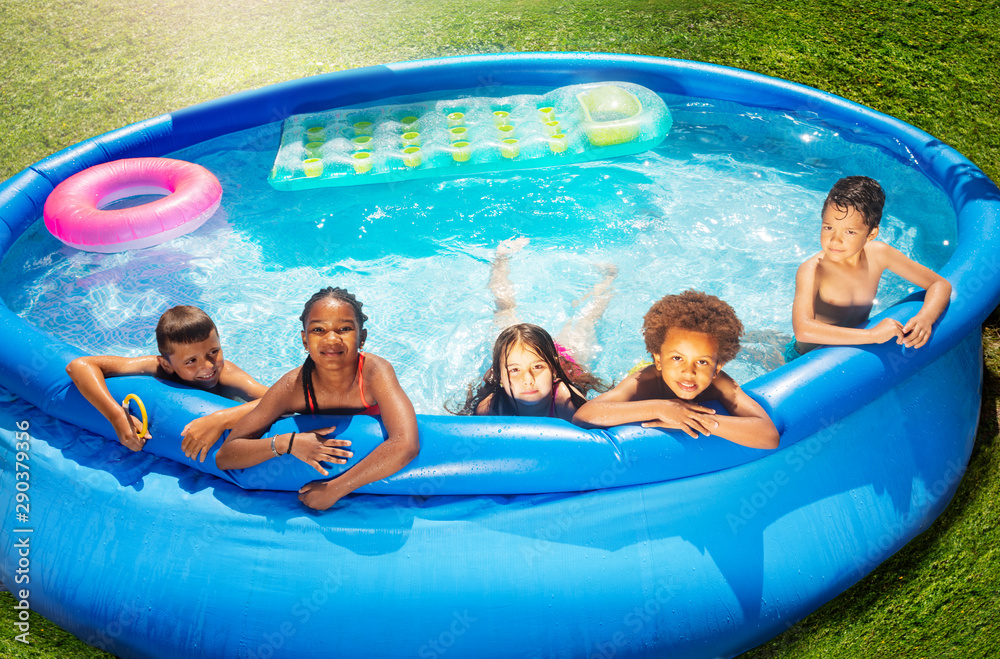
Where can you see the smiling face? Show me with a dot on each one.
(199, 363)
(688, 362)
(331, 333)
(527, 378)
(844, 233)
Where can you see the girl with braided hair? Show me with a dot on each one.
(336, 378)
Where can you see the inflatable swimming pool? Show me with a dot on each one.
(552, 542)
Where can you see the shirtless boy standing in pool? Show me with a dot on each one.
(835, 289)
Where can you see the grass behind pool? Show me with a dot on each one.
(46, 641)
(71, 71)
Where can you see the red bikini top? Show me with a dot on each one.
(370, 410)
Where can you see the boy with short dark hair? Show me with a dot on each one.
(190, 354)
(690, 336)
(835, 289)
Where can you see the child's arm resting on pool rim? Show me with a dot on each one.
(914, 334)
(89, 373)
(917, 330)
(633, 401)
(245, 447)
(397, 450)
(747, 424)
(200, 435)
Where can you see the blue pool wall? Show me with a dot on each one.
(148, 559)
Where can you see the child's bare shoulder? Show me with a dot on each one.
(231, 373)
(377, 367)
(290, 381)
(723, 388)
(287, 392)
(882, 254)
(380, 377)
(644, 385)
(812, 261)
(236, 378)
(809, 267)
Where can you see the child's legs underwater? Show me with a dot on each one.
(579, 335)
(505, 314)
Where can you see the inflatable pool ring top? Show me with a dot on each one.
(74, 212)
(466, 136)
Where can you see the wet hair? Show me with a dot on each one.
(337, 294)
(309, 366)
(861, 193)
(536, 339)
(694, 311)
(182, 324)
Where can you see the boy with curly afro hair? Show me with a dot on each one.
(690, 336)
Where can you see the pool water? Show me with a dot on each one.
(729, 203)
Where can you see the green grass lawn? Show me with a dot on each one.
(71, 69)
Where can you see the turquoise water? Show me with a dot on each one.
(728, 204)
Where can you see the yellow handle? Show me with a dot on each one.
(142, 410)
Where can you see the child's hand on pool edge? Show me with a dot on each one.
(917, 331)
(127, 430)
(682, 415)
(200, 435)
(313, 448)
(320, 495)
(887, 330)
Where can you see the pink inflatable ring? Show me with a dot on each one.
(73, 212)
